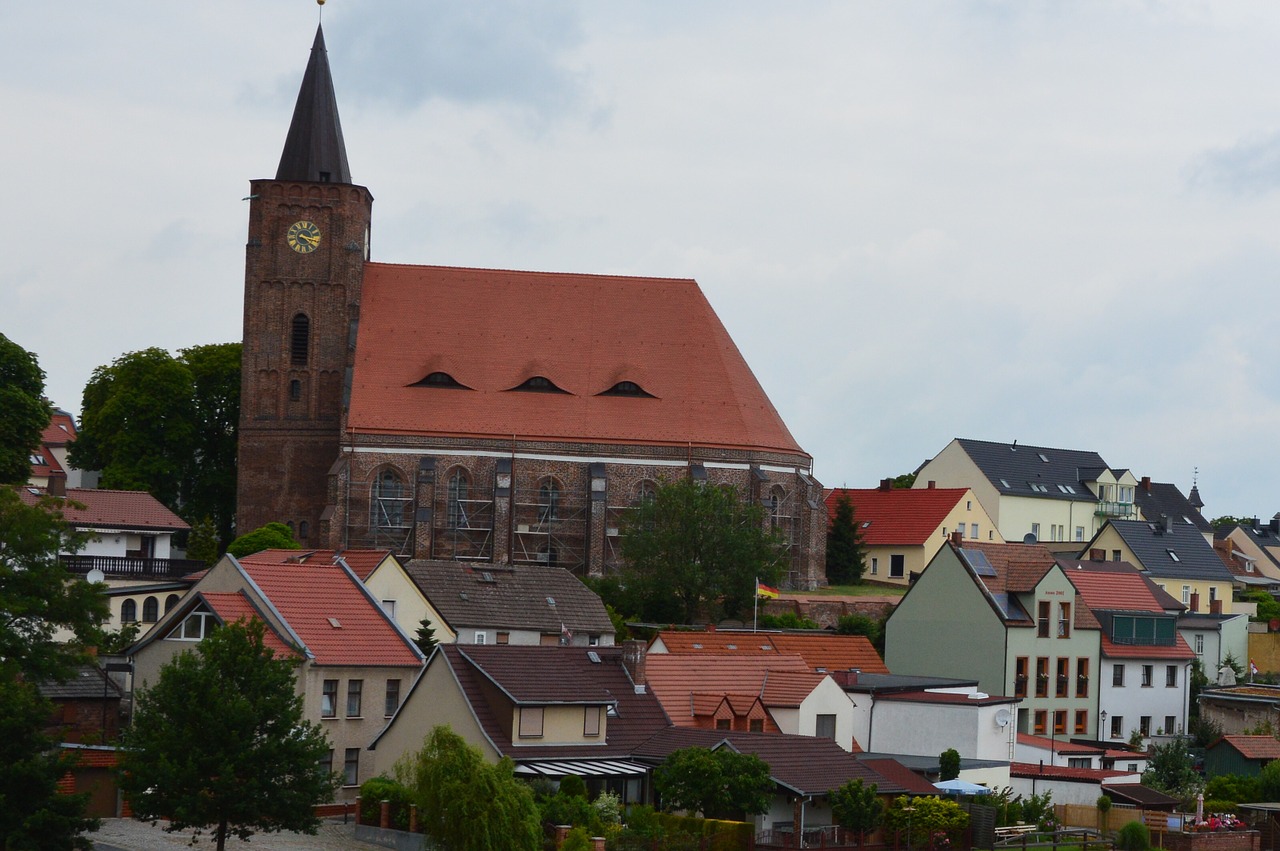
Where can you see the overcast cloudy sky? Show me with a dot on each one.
(1042, 221)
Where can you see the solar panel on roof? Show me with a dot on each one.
(978, 560)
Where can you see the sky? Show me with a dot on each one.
(1047, 222)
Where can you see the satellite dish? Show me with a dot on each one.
(95, 575)
(1003, 717)
(1029, 538)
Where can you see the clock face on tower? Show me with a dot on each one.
(303, 237)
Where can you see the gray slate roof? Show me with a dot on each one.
(87, 682)
(1165, 498)
(1152, 543)
(489, 596)
(314, 149)
(1021, 465)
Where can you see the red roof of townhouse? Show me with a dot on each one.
(1018, 567)
(1057, 745)
(361, 562)
(60, 431)
(113, 509)
(822, 651)
(1116, 586)
(675, 680)
(1062, 772)
(427, 362)
(233, 606)
(902, 516)
(332, 614)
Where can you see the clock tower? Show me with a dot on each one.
(304, 264)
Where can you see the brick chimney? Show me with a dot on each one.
(1146, 484)
(1168, 522)
(633, 655)
(957, 537)
(1195, 601)
(886, 484)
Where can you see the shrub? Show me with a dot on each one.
(1134, 836)
(374, 791)
(578, 839)
(573, 785)
(1220, 806)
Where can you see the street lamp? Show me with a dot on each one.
(908, 811)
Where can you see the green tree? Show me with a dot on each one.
(202, 543)
(719, 784)
(696, 549)
(468, 804)
(167, 425)
(846, 556)
(857, 807)
(219, 742)
(925, 817)
(426, 637)
(859, 624)
(949, 764)
(1237, 789)
(904, 481)
(23, 411)
(1268, 782)
(1171, 769)
(273, 536)
(38, 598)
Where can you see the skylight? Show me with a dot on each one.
(539, 384)
(1043, 457)
(1173, 555)
(440, 379)
(627, 388)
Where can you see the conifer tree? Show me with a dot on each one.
(846, 558)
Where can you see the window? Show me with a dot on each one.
(354, 689)
(1144, 725)
(626, 388)
(1199, 644)
(1064, 620)
(1116, 555)
(393, 698)
(1186, 595)
(1042, 618)
(351, 768)
(1041, 722)
(389, 504)
(1079, 533)
(548, 500)
(1148, 675)
(973, 531)
(1117, 676)
(531, 722)
(129, 612)
(1170, 725)
(1035, 531)
(170, 602)
(756, 725)
(150, 610)
(300, 340)
(389, 606)
(875, 565)
(591, 720)
(196, 626)
(1171, 676)
(1020, 677)
(304, 530)
(1060, 722)
(1117, 726)
(826, 728)
(1082, 722)
(1126, 493)
(539, 384)
(968, 505)
(326, 763)
(295, 390)
(455, 510)
(482, 638)
(1173, 555)
(1063, 685)
(504, 638)
(329, 699)
(897, 566)
(722, 723)
(1042, 676)
(1082, 677)
(777, 497)
(1079, 762)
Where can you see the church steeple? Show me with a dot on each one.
(314, 150)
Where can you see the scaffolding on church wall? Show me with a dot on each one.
(379, 518)
(463, 530)
(549, 529)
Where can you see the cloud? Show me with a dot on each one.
(1249, 168)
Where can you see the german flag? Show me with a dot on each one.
(763, 590)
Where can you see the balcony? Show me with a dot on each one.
(1117, 510)
(128, 567)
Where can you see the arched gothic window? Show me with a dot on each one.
(389, 502)
(129, 612)
(300, 340)
(548, 500)
(170, 602)
(646, 491)
(456, 509)
(773, 503)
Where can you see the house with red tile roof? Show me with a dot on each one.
(903, 528)
(1053, 751)
(51, 472)
(520, 433)
(1068, 785)
(823, 651)
(355, 663)
(766, 692)
(1240, 754)
(554, 710)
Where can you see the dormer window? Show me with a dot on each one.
(440, 379)
(539, 384)
(628, 388)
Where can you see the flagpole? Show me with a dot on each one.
(755, 605)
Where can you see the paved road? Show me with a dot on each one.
(130, 835)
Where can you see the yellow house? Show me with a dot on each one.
(903, 528)
(1175, 556)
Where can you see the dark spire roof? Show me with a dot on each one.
(314, 149)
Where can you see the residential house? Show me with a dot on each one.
(822, 651)
(902, 528)
(755, 693)
(1038, 750)
(51, 471)
(1240, 708)
(356, 663)
(804, 770)
(1259, 541)
(86, 707)
(1065, 784)
(471, 603)
(1164, 499)
(1240, 754)
(555, 711)
(1052, 495)
(1175, 555)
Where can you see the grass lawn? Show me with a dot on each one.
(867, 590)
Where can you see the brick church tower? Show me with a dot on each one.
(304, 266)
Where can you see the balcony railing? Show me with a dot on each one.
(126, 567)
(1121, 510)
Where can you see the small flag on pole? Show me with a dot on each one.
(763, 590)
(1253, 669)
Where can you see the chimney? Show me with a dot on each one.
(57, 484)
(932, 484)
(1215, 607)
(1146, 484)
(957, 537)
(1274, 525)
(633, 652)
(886, 484)
(1195, 601)
(1168, 522)
(1096, 554)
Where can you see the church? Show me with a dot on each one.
(480, 415)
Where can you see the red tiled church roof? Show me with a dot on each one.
(903, 516)
(492, 330)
